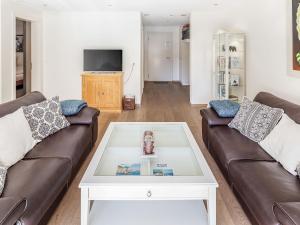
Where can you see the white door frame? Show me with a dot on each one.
(36, 72)
(10, 12)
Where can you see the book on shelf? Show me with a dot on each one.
(222, 63)
(222, 90)
(221, 77)
(129, 169)
(234, 98)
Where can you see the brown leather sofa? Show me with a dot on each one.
(35, 185)
(268, 193)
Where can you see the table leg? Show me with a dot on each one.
(85, 206)
(211, 207)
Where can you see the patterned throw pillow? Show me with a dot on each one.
(298, 170)
(3, 172)
(45, 118)
(255, 120)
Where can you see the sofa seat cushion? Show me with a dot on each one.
(287, 213)
(40, 182)
(228, 144)
(11, 209)
(69, 143)
(260, 185)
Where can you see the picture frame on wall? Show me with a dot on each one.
(293, 38)
(20, 43)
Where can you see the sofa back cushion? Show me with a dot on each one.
(12, 106)
(291, 109)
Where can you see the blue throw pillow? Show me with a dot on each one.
(225, 108)
(72, 107)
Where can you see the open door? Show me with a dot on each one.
(23, 57)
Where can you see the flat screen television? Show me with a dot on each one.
(102, 60)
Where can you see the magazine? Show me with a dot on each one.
(129, 170)
(162, 170)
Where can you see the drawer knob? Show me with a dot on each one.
(149, 194)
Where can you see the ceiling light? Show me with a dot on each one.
(171, 15)
(146, 14)
(45, 3)
(183, 15)
(216, 4)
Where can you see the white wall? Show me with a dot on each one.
(142, 59)
(1, 53)
(264, 23)
(9, 12)
(175, 31)
(67, 34)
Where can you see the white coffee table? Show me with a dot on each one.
(121, 200)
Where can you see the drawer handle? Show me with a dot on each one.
(149, 194)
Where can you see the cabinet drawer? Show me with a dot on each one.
(148, 193)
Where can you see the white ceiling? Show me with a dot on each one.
(158, 12)
(165, 19)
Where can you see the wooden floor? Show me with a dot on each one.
(162, 102)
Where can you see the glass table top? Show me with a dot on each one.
(123, 153)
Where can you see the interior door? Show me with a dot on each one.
(160, 56)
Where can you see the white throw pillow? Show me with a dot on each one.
(283, 144)
(3, 172)
(15, 138)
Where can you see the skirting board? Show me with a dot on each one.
(148, 213)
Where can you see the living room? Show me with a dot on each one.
(192, 162)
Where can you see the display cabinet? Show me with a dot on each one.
(229, 77)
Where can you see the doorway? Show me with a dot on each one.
(160, 56)
(23, 57)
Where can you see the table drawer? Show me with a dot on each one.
(148, 192)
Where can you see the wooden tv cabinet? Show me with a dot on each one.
(103, 91)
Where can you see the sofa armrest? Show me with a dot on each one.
(213, 119)
(287, 213)
(85, 117)
(11, 209)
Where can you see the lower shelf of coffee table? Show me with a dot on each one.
(148, 213)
